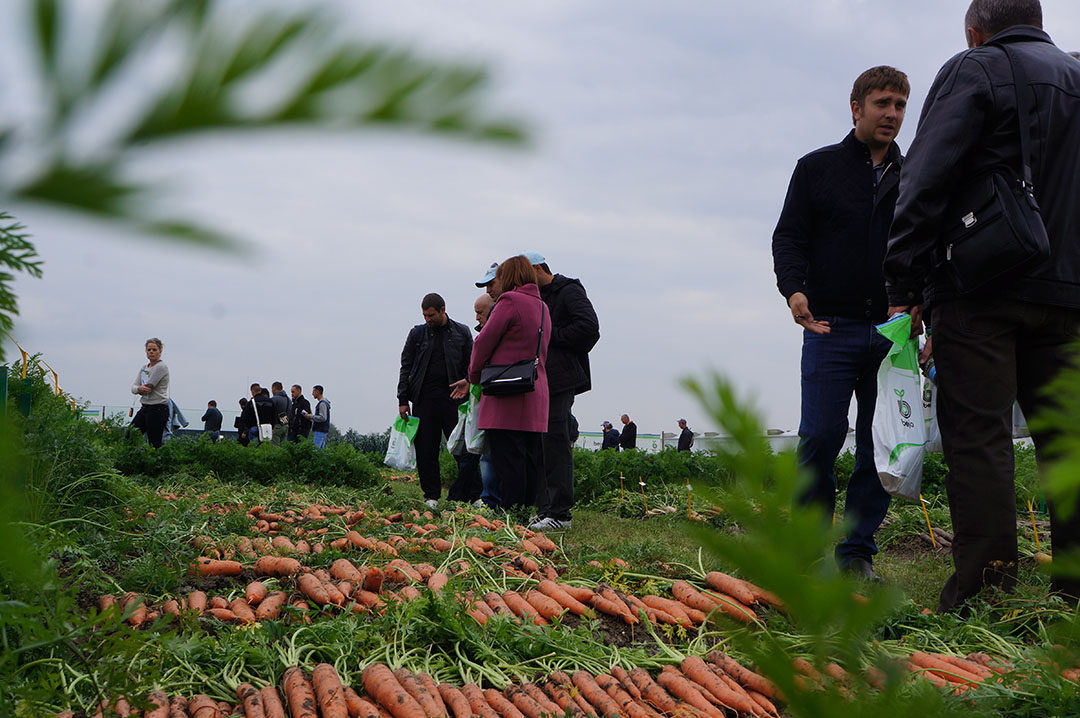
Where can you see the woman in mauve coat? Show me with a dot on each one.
(515, 424)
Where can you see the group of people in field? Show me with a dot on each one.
(866, 233)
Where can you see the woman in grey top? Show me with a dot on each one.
(152, 386)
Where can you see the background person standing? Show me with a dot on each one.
(320, 420)
(686, 437)
(301, 409)
(211, 420)
(628, 435)
(152, 386)
(827, 252)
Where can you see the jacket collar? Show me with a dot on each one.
(1021, 33)
(530, 289)
(851, 143)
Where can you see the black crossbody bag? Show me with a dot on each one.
(994, 228)
(517, 378)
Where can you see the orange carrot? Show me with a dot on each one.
(203, 706)
(619, 610)
(455, 700)
(477, 702)
(525, 704)
(566, 703)
(534, 691)
(731, 683)
(134, 602)
(313, 589)
(690, 596)
(609, 594)
(409, 593)
(437, 581)
(105, 603)
(943, 669)
(334, 593)
(554, 591)
(544, 605)
(362, 707)
(696, 670)
(744, 676)
(623, 700)
(766, 705)
(930, 676)
(527, 564)
(568, 686)
(242, 611)
(215, 567)
(433, 690)
(762, 596)
(367, 598)
(271, 702)
(530, 547)
(623, 678)
(680, 687)
(218, 602)
(171, 607)
(346, 588)
(374, 579)
(546, 545)
(674, 608)
(984, 660)
(595, 695)
(732, 607)
(277, 566)
(302, 607)
(498, 605)
(970, 666)
(407, 569)
(222, 614)
(522, 608)
(415, 688)
(251, 700)
(299, 693)
(503, 707)
(329, 691)
(581, 593)
(730, 585)
(440, 544)
(270, 606)
(344, 569)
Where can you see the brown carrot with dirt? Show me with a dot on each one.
(361, 707)
(433, 690)
(171, 607)
(302, 606)
(477, 702)
(566, 703)
(561, 679)
(242, 611)
(196, 601)
(624, 678)
(698, 671)
(314, 589)
(524, 703)
(277, 566)
(270, 607)
(334, 593)
(410, 593)
(730, 585)
(503, 707)
(440, 544)
(549, 706)
(343, 569)
(299, 694)
(619, 610)
(546, 545)
(216, 567)
(329, 692)
(943, 669)
(251, 700)
(529, 547)
(690, 596)
(734, 685)
(455, 701)
(271, 702)
(680, 687)
(498, 605)
(137, 606)
(160, 703)
(744, 676)
(408, 569)
(595, 695)
(218, 602)
(203, 706)
(437, 581)
(106, 602)
(546, 606)
(556, 592)
(522, 608)
(415, 688)
(652, 692)
(673, 608)
(625, 702)
(255, 592)
(367, 598)
(374, 579)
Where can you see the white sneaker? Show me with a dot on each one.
(478, 504)
(549, 523)
(432, 503)
(533, 519)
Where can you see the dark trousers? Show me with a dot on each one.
(155, 416)
(989, 353)
(518, 457)
(834, 367)
(555, 496)
(469, 485)
(437, 420)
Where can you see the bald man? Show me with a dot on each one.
(482, 306)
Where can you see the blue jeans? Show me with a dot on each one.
(319, 438)
(835, 366)
(490, 494)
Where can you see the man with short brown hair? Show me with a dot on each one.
(827, 253)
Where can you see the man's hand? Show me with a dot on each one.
(403, 410)
(459, 389)
(928, 350)
(800, 312)
(916, 317)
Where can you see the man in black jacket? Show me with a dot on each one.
(282, 412)
(628, 435)
(436, 355)
(611, 437)
(212, 421)
(827, 252)
(686, 437)
(1006, 340)
(300, 426)
(574, 332)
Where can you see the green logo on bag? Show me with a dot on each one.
(905, 408)
(899, 392)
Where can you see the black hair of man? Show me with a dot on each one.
(297, 386)
(432, 301)
(255, 388)
(318, 388)
(544, 266)
(992, 16)
(243, 402)
(277, 386)
(211, 403)
(265, 392)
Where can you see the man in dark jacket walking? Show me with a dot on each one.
(1006, 340)
(611, 437)
(574, 332)
(212, 421)
(282, 412)
(686, 437)
(300, 425)
(436, 354)
(827, 252)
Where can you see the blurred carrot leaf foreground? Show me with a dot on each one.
(93, 85)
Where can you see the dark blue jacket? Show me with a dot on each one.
(830, 240)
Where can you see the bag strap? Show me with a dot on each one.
(540, 338)
(1023, 112)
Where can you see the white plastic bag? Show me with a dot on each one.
(475, 439)
(929, 410)
(401, 454)
(456, 443)
(899, 429)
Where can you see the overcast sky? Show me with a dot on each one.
(664, 137)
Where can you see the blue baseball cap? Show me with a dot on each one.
(489, 275)
(534, 258)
